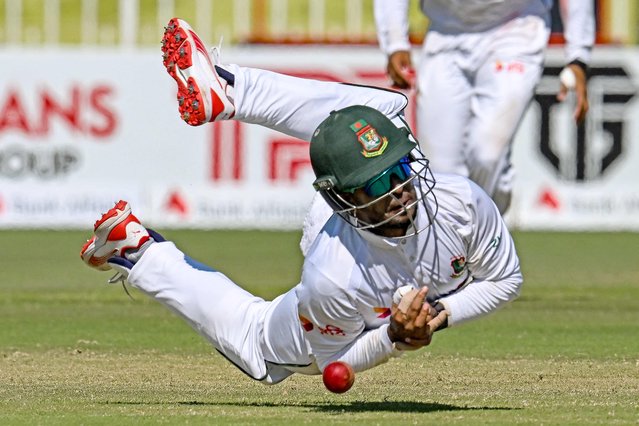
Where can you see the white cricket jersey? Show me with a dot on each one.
(458, 17)
(466, 258)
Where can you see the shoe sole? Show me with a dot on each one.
(185, 59)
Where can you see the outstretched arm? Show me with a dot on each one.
(492, 261)
(334, 327)
(336, 330)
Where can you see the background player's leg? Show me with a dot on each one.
(443, 111)
(498, 109)
(504, 85)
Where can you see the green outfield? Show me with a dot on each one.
(76, 351)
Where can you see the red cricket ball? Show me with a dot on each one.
(338, 377)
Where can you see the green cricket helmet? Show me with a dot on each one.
(354, 145)
(359, 147)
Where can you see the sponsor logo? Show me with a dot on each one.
(595, 145)
(549, 199)
(83, 110)
(44, 163)
(227, 151)
(176, 203)
(288, 159)
(332, 330)
(512, 66)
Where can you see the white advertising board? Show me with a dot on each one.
(80, 129)
(583, 178)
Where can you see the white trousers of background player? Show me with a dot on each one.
(473, 90)
(263, 338)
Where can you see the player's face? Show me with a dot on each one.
(393, 207)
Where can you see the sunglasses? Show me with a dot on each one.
(381, 184)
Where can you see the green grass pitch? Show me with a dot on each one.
(74, 350)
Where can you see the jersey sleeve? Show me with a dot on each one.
(333, 326)
(492, 262)
(578, 17)
(391, 19)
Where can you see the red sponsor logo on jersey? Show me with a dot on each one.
(514, 66)
(306, 324)
(382, 312)
(332, 330)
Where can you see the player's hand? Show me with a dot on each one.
(581, 92)
(437, 319)
(411, 328)
(400, 69)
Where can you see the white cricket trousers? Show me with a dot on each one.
(238, 324)
(297, 106)
(473, 91)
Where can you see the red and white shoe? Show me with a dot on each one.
(202, 93)
(116, 232)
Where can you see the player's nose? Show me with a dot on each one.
(396, 185)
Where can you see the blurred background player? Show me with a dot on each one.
(393, 225)
(477, 72)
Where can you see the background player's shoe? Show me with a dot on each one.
(202, 93)
(115, 233)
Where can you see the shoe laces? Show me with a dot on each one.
(120, 278)
(215, 52)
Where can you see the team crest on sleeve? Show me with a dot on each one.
(372, 144)
(458, 263)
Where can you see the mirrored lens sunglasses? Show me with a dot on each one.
(381, 184)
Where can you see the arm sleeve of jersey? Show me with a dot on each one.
(492, 262)
(391, 18)
(335, 329)
(578, 17)
(296, 106)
